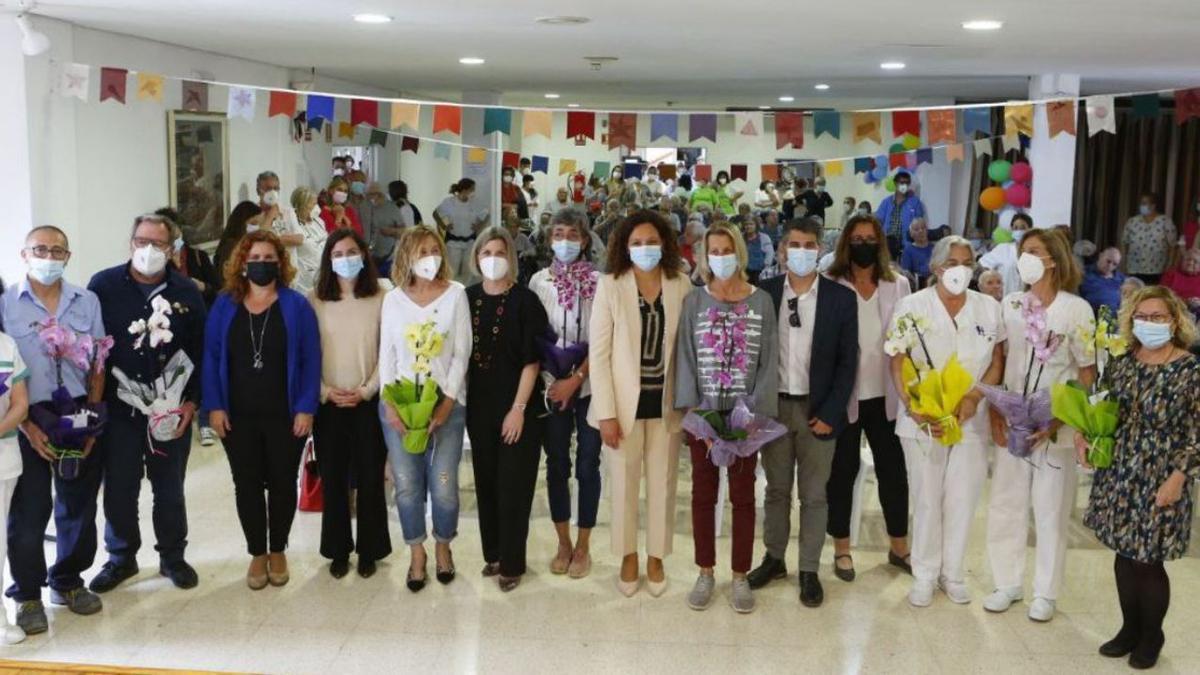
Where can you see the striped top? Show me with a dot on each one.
(654, 367)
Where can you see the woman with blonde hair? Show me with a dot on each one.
(262, 385)
(425, 297)
(304, 235)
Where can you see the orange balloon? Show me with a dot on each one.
(992, 198)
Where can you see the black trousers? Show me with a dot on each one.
(350, 448)
(1144, 591)
(264, 457)
(505, 477)
(890, 471)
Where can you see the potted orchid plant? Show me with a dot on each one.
(575, 284)
(414, 401)
(1089, 410)
(934, 394)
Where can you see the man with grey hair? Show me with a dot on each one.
(1101, 285)
(382, 221)
(275, 213)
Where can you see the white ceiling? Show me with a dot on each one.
(695, 53)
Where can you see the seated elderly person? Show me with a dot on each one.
(915, 257)
(689, 242)
(992, 283)
(1185, 280)
(1101, 285)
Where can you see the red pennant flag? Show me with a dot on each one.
(112, 84)
(789, 128)
(282, 103)
(896, 160)
(1187, 104)
(622, 130)
(769, 171)
(737, 172)
(410, 143)
(512, 159)
(702, 172)
(581, 123)
(906, 122)
(365, 112)
(447, 118)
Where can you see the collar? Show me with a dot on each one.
(69, 290)
(170, 272)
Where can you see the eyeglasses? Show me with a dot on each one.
(794, 308)
(52, 252)
(1153, 318)
(141, 242)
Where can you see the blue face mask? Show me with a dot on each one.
(802, 261)
(348, 267)
(1152, 335)
(178, 244)
(358, 187)
(723, 266)
(565, 250)
(645, 257)
(46, 271)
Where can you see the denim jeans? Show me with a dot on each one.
(557, 443)
(433, 473)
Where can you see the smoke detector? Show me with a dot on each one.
(597, 62)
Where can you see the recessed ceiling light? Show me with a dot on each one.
(551, 95)
(821, 87)
(764, 107)
(562, 20)
(892, 65)
(369, 18)
(787, 99)
(572, 105)
(983, 24)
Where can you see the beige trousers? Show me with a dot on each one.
(647, 450)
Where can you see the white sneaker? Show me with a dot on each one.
(956, 590)
(921, 594)
(12, 634)
(1001, 599)
(207, 436)
(1041, 610)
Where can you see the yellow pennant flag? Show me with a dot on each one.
(835, 169)
(866, 125)
(536, 122)
(345, 130)
(1018, 119)
(566, 166)
(476, 155)
(149, 87)
(406, 114)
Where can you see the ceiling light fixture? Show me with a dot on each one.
(821, 87)
(551, 95)
(33, 42)
(787, 99)
(572, 105)
(372, 18)
(983, 24)
(562, 20)
(764, 107)
(892, 65)
(471, 61)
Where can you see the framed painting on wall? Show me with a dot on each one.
(198, 174)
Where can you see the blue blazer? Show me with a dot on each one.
(303, 353)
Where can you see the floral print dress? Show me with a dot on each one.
(1158, 433)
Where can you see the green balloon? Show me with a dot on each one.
(896, 147)
(889, 184)
(1000, 170)
(911, 142)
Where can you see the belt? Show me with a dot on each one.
(792, 397)
(454, 237)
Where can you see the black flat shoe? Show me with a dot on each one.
(366, 568)
(446, 574)
(903, 563)
(765, 573)
(180, 573)
(111, 576)
(491, 569)
(844, 574)
(339, 568)
(1120, 646)
(414, 584)
(509, 583)
(811, 593)
(1145, 655)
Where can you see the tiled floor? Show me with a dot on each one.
(555, 625)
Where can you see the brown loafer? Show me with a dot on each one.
(277, 570)
(580, 567)
(256, 576)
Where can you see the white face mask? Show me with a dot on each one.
(493, 267)
(1031, 268)
(46, 271)
(271, 197)
(315, 212)
(339, 171)
(507, 179)
(955, 279)
(902, 188)
(149, 261)
(565, 250)
(723, 266)
(802, 261)
(339, 196)
(721, 181)
(427, 267)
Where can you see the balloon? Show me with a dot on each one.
(911, 142)
(999, 170)
(896, 147)
(992, 199)
(1018, 195)
(881, 160)
(1022, 172)
(869, 177)
(889, 184)
(880, 172)
(910, 161)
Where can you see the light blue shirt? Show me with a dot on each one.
(22, 311)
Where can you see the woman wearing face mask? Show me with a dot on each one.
(338, 213)
(654, 186)
(1141, 505)
(459, 218)
(349, 441)
(635, 315)
(848, 211)
(1045, 480)
(425, 293)
(816, 199)
(304, 238)
(727, 196)
(615, 185)
(510, 193)
(1003, 256)
(1149, 241)
(759, 250)
(236, 227)
(946, 481)
(358, 189)
(766, 198)
(706, 378)
(704, 195)
(262, 385)
(862, 262)
(566, 290)
(505, 417)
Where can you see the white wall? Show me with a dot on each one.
(14, 153)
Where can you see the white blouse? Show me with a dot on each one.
(307, 256)
(451, 314)
(571, 326)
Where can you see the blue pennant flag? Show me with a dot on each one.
(497, 119)
(862, 164)
(441, 151)
(540, 163)
(977, 120)
(632, 170)
(827, 121)
(924, 156)
(664, 124)
(320, 107)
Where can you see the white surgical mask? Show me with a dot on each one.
(149, 261)
(271, 197)
(507, 179)
(493, 267)
(339, 196)
(721, 181)
(566, 250)
(722, 266)
(955, 279)
(339, 172)
(427, 267)
(863, 212)
(902, 188)
(1145, 209)
(802, 261)
(770, 187)
(1031, 268)
(46, 271)
(315, 212)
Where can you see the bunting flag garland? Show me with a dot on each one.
(737, 172)
(789, 128)
(1146, 106)
(827, 122)
(955, 152)
(405, 115)
(566, 166)
(497, 119)
(282, 103)
(320, 107)
(510, 159)
(666, 171)
(942, 126)
(703, 172)
(410, 143)
(866, 126)
(702, 125)
(748, 123)
(447, 118)
(1060, 117)
(316, 124)
(601, 168)
(862, 165)
(664, 125)
(1011, 142)
(241, 103)
(536, 122)
(1187, 104)
(195, 97)
(896, 160)
(1018, 119)
(112, 84)
(149, 87)
(769, 172)
(441, 151)
(835, 169)
(73, 81)
(924, 156)
(345, 130)
(1101, 115)
(983, 147)
(581, 123)
(364, 111)
(476, 155)
(622, 130)
(540, 164)
(378, 137)
(977, 120)
(633, 170)
(906, 122)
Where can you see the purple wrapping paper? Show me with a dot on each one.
(52, 418)
(560, 361)
(1025, 416)
(760, 430)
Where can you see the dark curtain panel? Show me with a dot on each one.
(977, 218)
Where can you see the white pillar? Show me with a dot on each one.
(1053, 159)
(15, 168)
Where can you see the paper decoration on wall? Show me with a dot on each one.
(789, 129)
(942, 126)
(977, 120)
(320, 106)
(241, 103)
(281, 103)
(924, 156)
(702, 125)
(769, 171)
(983, 147)
(1101, 115)
(1018, 119)
(497, 119)
(195, 98)
(410, 143)
(363, 111)
(441, 151)
(664, 124)
(406, 115)
(150, 87)
(1146, 106)
(601, 168)
(895, 160)
(540, 164)
(748, 123)
(345, 130)
(906, 122)
(1187, 104)
(112, 84)
(447, 118)
(1060, 117)
(955, 152)
(633, 170)
(566, 166)
(862, 165)
(510, 159)
(622, 130)
(476, 155)
(866, 126)
(581, 123)
(835, 168)
(73, 80)
(737, 172)
(536, 122)
(827, 122)
(1010, 142)
(378, 137)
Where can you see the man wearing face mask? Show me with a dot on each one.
(125, 294)
(383, 222)
(276, 214)
(816, 199)
(560, 202)
(42, 296)
(897, 211)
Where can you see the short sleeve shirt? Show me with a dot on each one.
(12, 371)
(23, 313)
(1148, 245)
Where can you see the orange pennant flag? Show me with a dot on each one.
(1060, 115)
(866, 126)
(447, 118)
(1018, 119)
(954, 152)
(149, 87)
(942, 125)
(537, 122)
(345, 130)
(406, 114)
(282, 103)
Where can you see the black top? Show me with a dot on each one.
(816, 202)
(258, 391)
(654, 368)
(503, 328)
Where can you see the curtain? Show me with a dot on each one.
(978, 219)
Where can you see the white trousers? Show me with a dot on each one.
(461, 268)
(948, 482)
(7, 487)
(1047, 481)
(647, 450)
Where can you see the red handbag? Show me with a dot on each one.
(312, 495)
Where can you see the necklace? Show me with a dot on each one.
(481, 356)
(257, 345)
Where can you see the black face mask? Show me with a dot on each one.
(864, 255)
(262, 272)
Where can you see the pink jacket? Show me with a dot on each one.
(890, 293)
